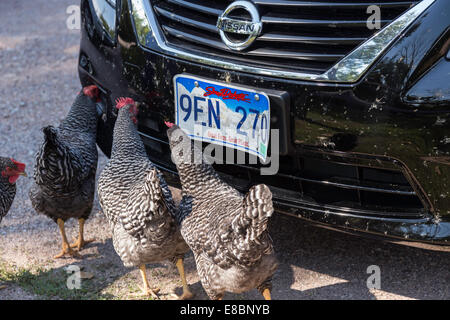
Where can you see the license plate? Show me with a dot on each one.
(223, 114)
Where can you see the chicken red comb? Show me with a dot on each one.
(169, 124)
(91, 91)
(122, 102)
(20, 166)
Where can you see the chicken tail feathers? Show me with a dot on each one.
(258, 208)
(145, 210)
(167, 196)
(52, 150)
(152, 188)
(55, 165)
(249, 237)
(158, 191)
(51, 136)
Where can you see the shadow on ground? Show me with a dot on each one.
(315, 263)
(321, 264)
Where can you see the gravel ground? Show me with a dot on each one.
(38, 58)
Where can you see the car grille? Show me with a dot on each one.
(305, 36)
(336, 187)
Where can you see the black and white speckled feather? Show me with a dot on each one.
(137, 201)
(227, 231)
(7, 189)
(66, 163)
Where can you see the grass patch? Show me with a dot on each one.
(50, 284)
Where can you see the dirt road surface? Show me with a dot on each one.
(38, 59)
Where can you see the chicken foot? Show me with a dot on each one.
(266, 294)
(187, 294)
(66, 249)
(81, 242)
(146, 290)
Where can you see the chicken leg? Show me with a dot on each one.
(66, 249)
(266, 294)
(80, 243)
(146, 289)
(187, 294)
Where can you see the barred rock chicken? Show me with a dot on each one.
(226, 231)
(65, 169)
(10, 170)
(138, 203)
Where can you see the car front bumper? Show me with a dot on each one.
(382, 123)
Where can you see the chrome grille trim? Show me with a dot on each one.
(265, 37)
(196, 7)
(331, 4)
(269, 19)
(256, 52)
(198, 24)
(303, 39)
(348, 70)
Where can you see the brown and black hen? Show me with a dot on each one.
(65, 168)
(10, 171)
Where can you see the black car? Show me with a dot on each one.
(359, 91)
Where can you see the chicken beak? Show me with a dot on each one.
(23, 174)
